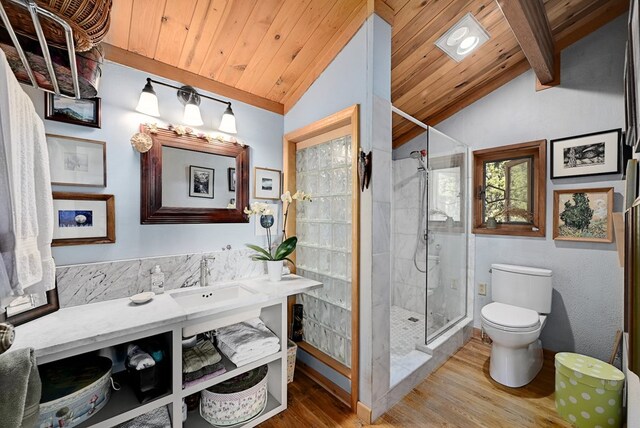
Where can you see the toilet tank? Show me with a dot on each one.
(522, 286)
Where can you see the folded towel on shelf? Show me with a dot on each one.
(243, 358)
(21, 388)
(138, 359)
(202, 355)
(157, 418)
(247, 336)
(205, 373)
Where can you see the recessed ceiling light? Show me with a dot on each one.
(467, 45)
(456, 36)
(463, 38)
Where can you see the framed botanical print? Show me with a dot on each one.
(83, 112)
(583, 215)
(83, 218)
(77, 162)
(597, 153)
(201, 181)
(231, 178)
(266, 183)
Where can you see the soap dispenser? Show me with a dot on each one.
(157, 280)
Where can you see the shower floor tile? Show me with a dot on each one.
(405, 332)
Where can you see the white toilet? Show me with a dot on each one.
(521, 297)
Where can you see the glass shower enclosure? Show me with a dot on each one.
(429, 239)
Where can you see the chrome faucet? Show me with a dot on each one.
(204, 269)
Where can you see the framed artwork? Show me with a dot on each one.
(587, 155)
(201, 181)
(267, 183)
(83, 218)
(77, 162)
(28, 307)
(634, 69)
(630, 99)
(84, 112)
(583, 215)
(231, 179)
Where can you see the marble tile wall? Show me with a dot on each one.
(408, 284)
(97, 282)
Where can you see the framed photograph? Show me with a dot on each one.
(201, 182)
(231, 178)
(84, 112)
(77, 162)
(83, 218)
(583, 215)
(267, 183)
(586, 155)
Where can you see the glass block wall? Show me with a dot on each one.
(323, 253)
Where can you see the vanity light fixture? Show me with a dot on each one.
(190, 98)
(463, 38)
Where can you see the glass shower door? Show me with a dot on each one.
(446, 279)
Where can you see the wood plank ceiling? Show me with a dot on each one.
(268, 49)
(268, 52)
(430, 86)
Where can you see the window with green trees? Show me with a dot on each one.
(510, 189)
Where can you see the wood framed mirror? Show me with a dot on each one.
(30, 306)
(184, 180)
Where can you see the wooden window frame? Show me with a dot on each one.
(307, 136)
(538, 151)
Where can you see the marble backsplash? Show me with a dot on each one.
(97, 282)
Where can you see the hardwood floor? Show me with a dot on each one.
(459, 394)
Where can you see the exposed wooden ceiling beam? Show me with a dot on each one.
(528, 20)
(151, 66)
(382, 9)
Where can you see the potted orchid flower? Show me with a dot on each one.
(275, 258)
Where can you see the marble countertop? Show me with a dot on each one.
(85, 325)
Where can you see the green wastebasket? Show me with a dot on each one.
(588, 391)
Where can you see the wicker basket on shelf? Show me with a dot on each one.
(292, 349)
(89, 20)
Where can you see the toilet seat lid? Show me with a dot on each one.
(510, 316)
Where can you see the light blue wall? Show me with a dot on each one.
(587, 277)
(120, 89)
(342, 84)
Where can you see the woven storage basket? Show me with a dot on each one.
(292, 349)
(89, 20)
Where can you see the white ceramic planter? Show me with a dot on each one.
(275, 270)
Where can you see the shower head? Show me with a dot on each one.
(419, 155)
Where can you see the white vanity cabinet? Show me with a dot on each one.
(88, 328)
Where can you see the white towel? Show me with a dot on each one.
(247, 336)
(25, 192)
(241, 359)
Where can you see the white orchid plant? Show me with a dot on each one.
(265, 215)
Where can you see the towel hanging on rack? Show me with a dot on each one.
(26, 204)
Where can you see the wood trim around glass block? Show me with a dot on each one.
(349, 119)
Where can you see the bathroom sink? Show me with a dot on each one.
(213, 297)
(236, 297)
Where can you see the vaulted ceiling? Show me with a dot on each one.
(265, 52)
(268, 52)
(430, 86)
